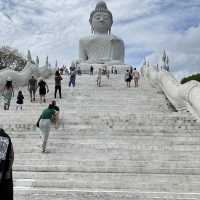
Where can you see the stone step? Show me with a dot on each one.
(34, 148)
(113, 166)
(126, 126)
(109, 181)
(110, 139)
(115, 140)
(178, 116)
(87, 194)
(62, 192)
(111, 155)
(84, 133)
(66, 116)
(113, 143)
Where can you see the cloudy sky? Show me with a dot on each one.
(54, 27)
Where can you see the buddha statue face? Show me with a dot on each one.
(101, 19)
(101, 22)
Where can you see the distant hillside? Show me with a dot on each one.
(11, 58)
(195, 77)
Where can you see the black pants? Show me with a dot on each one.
(57, 88)
(6, 189)
(32, 93)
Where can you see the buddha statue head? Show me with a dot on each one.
(101, 19)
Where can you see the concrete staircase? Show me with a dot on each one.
(113, 143)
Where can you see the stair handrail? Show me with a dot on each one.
(182, 96)
(21, 78)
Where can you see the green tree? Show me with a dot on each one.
(195, 77)
(11, 58)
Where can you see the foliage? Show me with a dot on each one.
(11, 58)
(195, 77)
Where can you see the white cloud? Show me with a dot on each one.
(50, 27)
(183, 50)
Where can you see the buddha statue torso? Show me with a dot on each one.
(101, 47)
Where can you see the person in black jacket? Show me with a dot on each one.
(6, 162)
(20, 100)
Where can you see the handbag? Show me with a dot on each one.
(38, 122)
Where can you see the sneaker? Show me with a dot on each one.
(43, 151)
(39, 146)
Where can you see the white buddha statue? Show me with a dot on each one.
(101, 47)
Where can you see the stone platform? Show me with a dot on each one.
(85, 68)
(113, 143)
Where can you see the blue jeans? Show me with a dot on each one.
(72, 82)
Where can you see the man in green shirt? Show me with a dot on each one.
(45, 124)
(48, 113)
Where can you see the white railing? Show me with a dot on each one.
(182, 96)
(21, 78)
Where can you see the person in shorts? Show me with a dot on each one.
(43, 90)
(128, 78)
